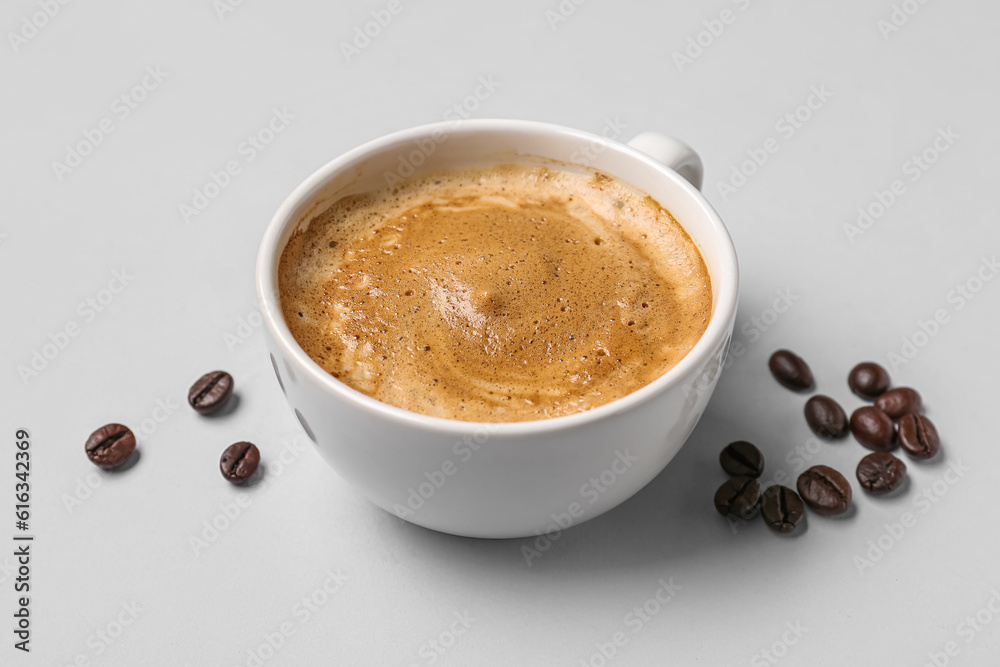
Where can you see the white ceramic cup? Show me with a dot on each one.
(510, 479)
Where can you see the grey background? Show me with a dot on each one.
(190, 297)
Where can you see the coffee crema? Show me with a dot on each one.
(496, 294)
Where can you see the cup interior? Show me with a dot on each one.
(482, 143)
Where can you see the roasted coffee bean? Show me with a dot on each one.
(790, 370)
(825, 417)
(239, 462)
(781, 508)
(899, 401)
(880, 472)
(918, 437)
(211, 392)
(873, 428)
(110, 446)
(738, 496)
(742, 458)
(868, 380)
(825, 490)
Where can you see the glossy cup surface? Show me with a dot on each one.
(509, 479)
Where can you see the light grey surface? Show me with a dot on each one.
(190, 295)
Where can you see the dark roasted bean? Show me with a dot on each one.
(873, 428)
(899, 401)
(742, 458)
(211, 392)
(918, 437)
(781, 508)
(790, 370)
(239, 462)
(825, 417)
(868, 380)
(738, 497)
(110, 446)
(880, 472)
(825, 490)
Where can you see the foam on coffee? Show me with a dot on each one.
(497, 294)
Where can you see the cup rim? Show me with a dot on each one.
(267, 290)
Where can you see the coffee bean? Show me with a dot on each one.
(239, 462)
(211, 392)
(825, 490)
(738, 496)
(918, 437)
(790, 370)
(110, 446)
(881, 472)
(873, 428)
(742, 458)
(825, 417)
(899, 401)
(781, 508)
(868, 380)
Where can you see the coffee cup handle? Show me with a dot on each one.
(674, 153)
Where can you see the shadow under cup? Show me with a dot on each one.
(507, 479)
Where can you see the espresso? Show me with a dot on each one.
(496, 294)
